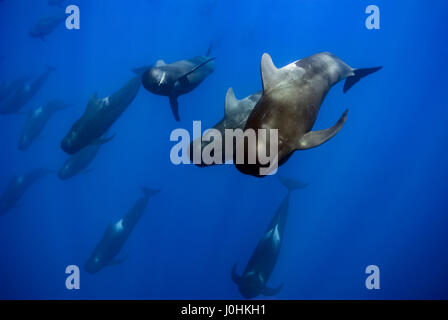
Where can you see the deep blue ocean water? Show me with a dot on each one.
(377, 191)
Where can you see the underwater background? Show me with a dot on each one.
(377, 191)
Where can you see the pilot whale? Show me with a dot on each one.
(36, 121)
(17, 187)
(99, 116)
(116, 235)
(46, 26)
(8, 88)
(253, 281)
(80, 161)
(24, 93)
(177, 78)
(290, 102)
(236, 113)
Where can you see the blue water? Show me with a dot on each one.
(376, 194)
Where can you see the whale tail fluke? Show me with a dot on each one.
(358, 75)
(149, 192)
(292, 184)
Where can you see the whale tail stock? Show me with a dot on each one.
(292, 184)
(358, 75)
(149, 192)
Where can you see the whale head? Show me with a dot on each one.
(157, 81)
(251, 285)
(94, 264)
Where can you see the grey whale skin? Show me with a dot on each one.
(177, 78)
(236, 113)
(253, 281)
(116, 235)
(24, 93)
(17, 187)
(99, 116)
(291, 100)
(36, 121)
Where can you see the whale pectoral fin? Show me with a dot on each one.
(316, 138)
(101, 141)
(185, 75)
(268, 292)
(358, 74)
(235, 277)
(175, 107)
(116, 262)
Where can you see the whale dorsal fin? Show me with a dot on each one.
(231, 102)
(269, 72)
(93, 102)
(160, 63)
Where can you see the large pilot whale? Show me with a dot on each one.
(17, 187)
(99, 116)
(236, 113)
(36, 121)
(24, 93)
(290, 102)
(116, 235)
(177, 78)
(255, 277)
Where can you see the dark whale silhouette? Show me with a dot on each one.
(46, 26)
(253, 281)
(291, 100)
(24, 93)
(36, 121)
(99, 116)
(17, 187)
(116, 235)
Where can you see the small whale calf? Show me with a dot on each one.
(99, 116)
(80, 161)
(23, 93)
(255, 277)
(177, 78)
(290, 102)
(36, 121)
(17, 187)
(46, 26)
(116, 235)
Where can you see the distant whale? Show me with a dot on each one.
(99, 116)
(254, 280)
(36, 121)
(235, 117)
(177, 78)
(17, 187)
(46, 26)
(291, 100)
(8, 88)
(23, 94)
(116, 235)
(80, 161)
